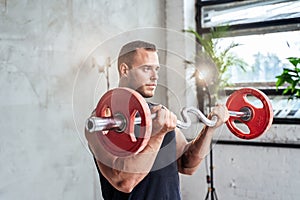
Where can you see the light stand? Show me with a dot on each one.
(209, 179)
(202, 90)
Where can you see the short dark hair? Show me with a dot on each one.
(128, 51)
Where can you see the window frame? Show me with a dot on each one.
(272, 26)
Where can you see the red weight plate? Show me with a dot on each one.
(129, 103)
(261, 119)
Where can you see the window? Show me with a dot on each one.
(268, 33)
(265, 54)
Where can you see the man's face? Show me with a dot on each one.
(143, 75)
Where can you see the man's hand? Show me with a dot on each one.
(164, 121)
(221, 112)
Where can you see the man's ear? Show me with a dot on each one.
(124, 69)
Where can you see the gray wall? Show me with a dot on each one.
(251, 172)
(42, 47)
(50, 56)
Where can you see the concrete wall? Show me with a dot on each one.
(251, 172)
(43, 46)
(50, 56)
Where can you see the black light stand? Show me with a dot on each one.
(210, 178)
(202, 91)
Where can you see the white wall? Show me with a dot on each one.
(49, 83)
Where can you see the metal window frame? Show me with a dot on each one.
(279, 25)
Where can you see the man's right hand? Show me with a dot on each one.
(164, 122)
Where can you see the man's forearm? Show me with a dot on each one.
(124, 173)
(141, 162)
(135, 163)
(196, 151)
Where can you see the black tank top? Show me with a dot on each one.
(162, 182)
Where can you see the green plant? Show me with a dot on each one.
(222, 57)
(290, 78)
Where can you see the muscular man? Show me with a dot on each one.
(152, 173)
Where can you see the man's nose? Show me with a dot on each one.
(154, 74)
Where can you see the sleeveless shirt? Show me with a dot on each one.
(161, 183)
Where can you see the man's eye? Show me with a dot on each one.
(147, 68)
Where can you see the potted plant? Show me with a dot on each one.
(290, 77)
(222, 57)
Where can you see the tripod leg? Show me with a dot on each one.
(207, 194)
(215, 194)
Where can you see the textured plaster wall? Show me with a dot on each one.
(42, 46)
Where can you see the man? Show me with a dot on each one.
(153, 172)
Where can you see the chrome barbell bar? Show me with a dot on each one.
(119, 122)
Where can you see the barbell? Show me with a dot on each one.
(123, 120)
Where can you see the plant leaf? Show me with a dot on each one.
(294, 60)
